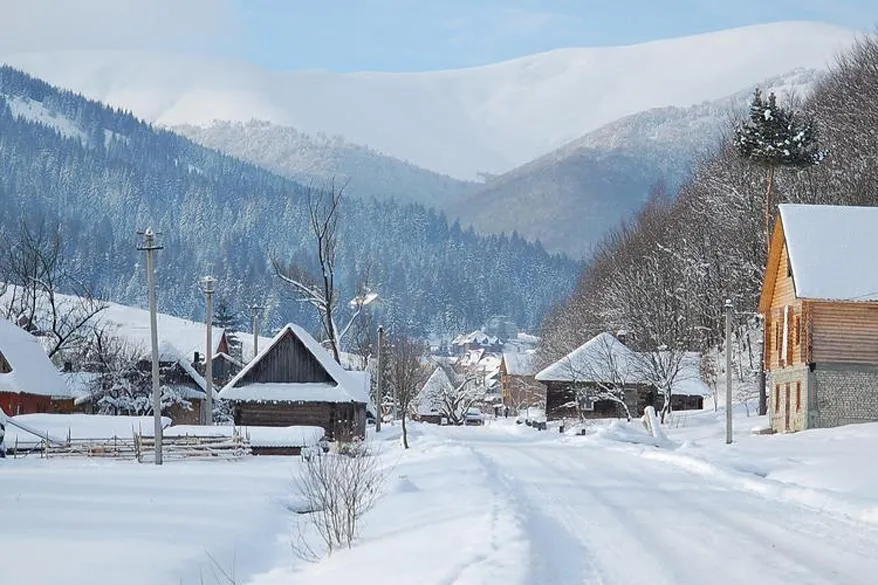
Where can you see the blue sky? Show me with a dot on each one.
(389, 35)
(414, 35)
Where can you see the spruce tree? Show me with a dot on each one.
(774, 137)
(225, 318)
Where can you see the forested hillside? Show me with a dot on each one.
(665, 275)
(103, 174)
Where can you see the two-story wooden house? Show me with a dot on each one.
(820, 305)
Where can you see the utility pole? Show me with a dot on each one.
(149, 246)
(728, 307)
(760, 377)
(254, 322)
(379, 385)
(207, 283)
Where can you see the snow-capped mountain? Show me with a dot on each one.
(569, 198)
(319, 158)
(459, 122)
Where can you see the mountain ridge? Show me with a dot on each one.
(488, 119)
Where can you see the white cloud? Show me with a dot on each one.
(41, 25)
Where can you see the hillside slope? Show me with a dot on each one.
(103, 175)
(569, 198)
(461, 122)
(319, 158)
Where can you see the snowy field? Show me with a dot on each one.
(472, 505)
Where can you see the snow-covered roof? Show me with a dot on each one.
(830, 249)
(606, 359)
(78, 385)
(346, 387)
(519, 363)
(32, 370)
(428, 398)
(603, 358)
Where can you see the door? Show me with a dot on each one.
(786, 409)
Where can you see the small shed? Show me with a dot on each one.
(295, 382)
(28, 379)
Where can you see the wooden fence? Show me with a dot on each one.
(142, 449)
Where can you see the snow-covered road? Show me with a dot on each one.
(592, 514)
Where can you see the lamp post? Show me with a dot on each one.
(207, 283)
(149, 246)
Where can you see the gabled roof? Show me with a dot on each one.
(602, 358)
(32, 370)
(342, 388)
(831, 250)
(429, 398)
(519, 363)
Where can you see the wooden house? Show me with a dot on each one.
(295, 382)
(574, 383)
(28, 379)
(518, 384)
(820, 306)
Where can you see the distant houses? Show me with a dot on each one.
(820, 306)
(294, 381)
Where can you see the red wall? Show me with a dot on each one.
(14, 403)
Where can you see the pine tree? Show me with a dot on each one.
(225, 318)
(774, 137)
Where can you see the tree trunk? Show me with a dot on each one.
(768, 207)
(405, 436)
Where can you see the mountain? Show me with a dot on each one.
(569, 198)
(464, 122)
(319, 158)
(103, 174)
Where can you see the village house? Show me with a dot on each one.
(518, 384)
(28, 379)
(575, 383)
(295, 382)
(819, 302)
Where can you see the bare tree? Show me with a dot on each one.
(602, 369)
(338, 489)
(321, 290)
(406, 375)
(464, 391)
(35, 271)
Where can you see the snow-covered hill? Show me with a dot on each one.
(459, 122)
(569, 198)
(319, 158)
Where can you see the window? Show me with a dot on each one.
(798, 396)
(777, 398)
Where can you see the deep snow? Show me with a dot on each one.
(474, 505)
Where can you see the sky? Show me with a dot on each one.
(388, 35)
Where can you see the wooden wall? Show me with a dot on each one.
(342, 421)
(14, 403)
(844, 332)
(289, 361)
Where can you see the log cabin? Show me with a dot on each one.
(295, 382)
(575, 382)
(819, 302)
(28, 378)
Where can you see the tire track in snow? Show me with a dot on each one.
(556, 554)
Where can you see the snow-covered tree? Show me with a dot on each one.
(774, 137)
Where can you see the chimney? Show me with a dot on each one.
(197, 358)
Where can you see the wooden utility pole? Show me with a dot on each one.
(254, 324)
(207, 285)
(149, 246)
(379, 385)
(728, 307)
